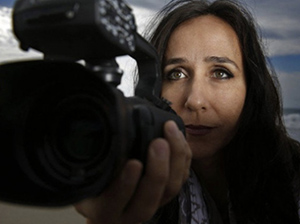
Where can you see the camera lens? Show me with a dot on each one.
(82, 137)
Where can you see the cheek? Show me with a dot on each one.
(174, 95)
(231, 106)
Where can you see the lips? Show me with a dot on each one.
(198, 130)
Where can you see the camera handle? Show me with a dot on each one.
(149, 84)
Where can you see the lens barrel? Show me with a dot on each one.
(66, 133)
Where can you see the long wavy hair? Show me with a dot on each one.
(262, 162)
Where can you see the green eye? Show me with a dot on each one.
(222, 74)
(175, 75)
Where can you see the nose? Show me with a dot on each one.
(197, 96)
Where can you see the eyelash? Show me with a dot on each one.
(172, 72)
(228, 74)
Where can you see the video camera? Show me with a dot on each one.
(65, 129)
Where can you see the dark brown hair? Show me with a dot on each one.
(262, 161)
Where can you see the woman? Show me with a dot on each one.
(245, 168)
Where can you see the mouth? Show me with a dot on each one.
(198, 130)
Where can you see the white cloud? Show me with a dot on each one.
(292, 121)
(279, 21)
(127, 64)
(9, 49)
(142, 17)
(5, 28)
(281, 47)
(290, 89)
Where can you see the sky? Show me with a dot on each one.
(279, 25)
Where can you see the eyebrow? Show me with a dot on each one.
(174, 61)
(221, 60)
(216, 59)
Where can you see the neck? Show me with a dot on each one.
(209, 170)
(211, 174)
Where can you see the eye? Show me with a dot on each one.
(222, 74)
(175, 75)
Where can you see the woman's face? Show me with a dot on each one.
(204, 79)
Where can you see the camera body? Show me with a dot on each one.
(66, 130)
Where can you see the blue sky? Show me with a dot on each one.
(6, 2)
(279, 22)
(287, 63)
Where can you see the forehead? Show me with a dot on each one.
(208, 35)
